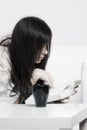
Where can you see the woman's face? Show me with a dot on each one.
(43, 53)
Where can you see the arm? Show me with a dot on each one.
(43, 75)
(5, 69)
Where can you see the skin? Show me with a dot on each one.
(39, 73)
(42, 55)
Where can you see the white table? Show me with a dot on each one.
(54, 116)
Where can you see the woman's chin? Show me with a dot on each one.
(37, 62)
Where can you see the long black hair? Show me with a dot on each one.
(28, 38)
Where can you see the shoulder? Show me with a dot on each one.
(5, 58)
(3, 50)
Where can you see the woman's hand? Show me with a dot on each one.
(41, 74)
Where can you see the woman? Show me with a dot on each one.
(23, 58)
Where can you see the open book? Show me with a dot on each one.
(56, 93)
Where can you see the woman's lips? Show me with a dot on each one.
(41, 57)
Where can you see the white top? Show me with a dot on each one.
(5, 70)
(53, 116)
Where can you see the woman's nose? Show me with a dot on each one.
(45, 51)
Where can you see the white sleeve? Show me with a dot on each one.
(5, 70)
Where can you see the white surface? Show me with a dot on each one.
(51, 117)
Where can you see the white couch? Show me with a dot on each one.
(84, 81)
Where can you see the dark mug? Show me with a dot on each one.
(40, 92)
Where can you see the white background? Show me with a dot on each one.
(68, 21)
